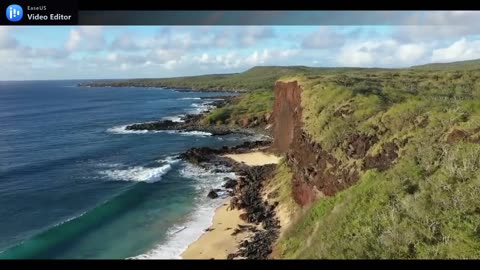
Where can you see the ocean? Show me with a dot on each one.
(74, 184)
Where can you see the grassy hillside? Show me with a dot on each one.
(424, 205)
(256, 78)
(460, 65)
(255, 83)
(258, 84)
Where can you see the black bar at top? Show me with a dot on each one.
(258, 17)
(277, 5)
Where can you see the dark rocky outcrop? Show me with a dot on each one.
(246, 195)
(213, 194)
(230, 184)
(257, 211)
(158, 84)
(210, 155)
(191, 122)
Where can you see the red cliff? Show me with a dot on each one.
(316, 172)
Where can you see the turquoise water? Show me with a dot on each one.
(75, 184)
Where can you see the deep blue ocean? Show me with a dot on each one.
(75, 184)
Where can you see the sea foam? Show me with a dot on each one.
(180, 236)
(189, 98)
(140, 173)
(176, 118)
(123, 130)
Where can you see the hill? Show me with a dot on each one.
(384, 163)
(459, 65)
(256, 78)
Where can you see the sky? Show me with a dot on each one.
(110, 52)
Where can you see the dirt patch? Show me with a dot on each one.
(302, 192)
(358, 145)
(383, 160)
(471, 136)
(457, 135)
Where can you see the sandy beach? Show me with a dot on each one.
(256, 158)
(217, 242)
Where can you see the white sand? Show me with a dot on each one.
(257, 158)
(218, 242)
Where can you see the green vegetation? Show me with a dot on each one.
(256, 78)
(469, 64)
(426, 203)
(281, 186)
(256, 84)
(249, 105)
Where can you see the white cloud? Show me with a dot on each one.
(323, 38)
(258, 58)
(86, 38)
(7, 41)
(125, 42)
(235, 60)
(112, 57)
(410, 53)
(203, 59)
(458, 51)
(50, 53)
(162, 56)
(194, 38)
(250, 35)
(387, 52)
(171, 64)
(191, 50)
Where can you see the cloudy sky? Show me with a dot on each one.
(98, 52)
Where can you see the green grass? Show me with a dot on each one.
(252, 104)
(281, 185)
(256, 78)
(426, 204)
(256, 84)
(451, 66)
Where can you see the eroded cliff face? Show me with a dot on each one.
(316, 172)
(287, 114)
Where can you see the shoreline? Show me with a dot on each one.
(217, 241)
(245, 225)
(231, 231)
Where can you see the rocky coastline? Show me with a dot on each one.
(246, 191)
(193, 122)
(246, 195)
(117, 83)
